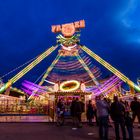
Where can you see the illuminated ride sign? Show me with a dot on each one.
(68, 86)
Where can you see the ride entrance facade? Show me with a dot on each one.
(71, 74)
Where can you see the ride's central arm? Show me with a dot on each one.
(27, 68)
(50, 69)
(46, 74)
(111, 68)
(86, 68)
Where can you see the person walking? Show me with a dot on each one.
(102, 114)
(117, 111)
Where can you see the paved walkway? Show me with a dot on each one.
(49, 131)
(25, 118)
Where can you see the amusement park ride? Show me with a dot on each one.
(70, 47)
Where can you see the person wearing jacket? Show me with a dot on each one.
(117, 112)
(90, 113)
(103, 115)
(135, 107)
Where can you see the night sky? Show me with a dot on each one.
(112, 31)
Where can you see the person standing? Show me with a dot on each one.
(90, 113)
(129, 121)
(72, 107)
(77, 112)
(95, 112)
(60, 112)
(102, 114)
(135, 107)
(117, 111)
(82, 105)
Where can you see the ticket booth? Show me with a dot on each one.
(67, 99)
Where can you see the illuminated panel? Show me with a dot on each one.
(69, 85)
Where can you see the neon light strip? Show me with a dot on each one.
(50, 68)
(109, 80)
(104, 84)
(108, 86)
(104, 63)
(69, 47)
(33, 87)
(47, 73)
(33, 64)
(28, 92)
(72, 64)
(18, 68)
(96, 74)
(113, 87)
(53, 77)
(111, 68)
(105, 87)
(27, 68)
(49, 82)
(87, 69)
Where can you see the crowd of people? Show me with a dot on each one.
(77, 107)
(122, 113)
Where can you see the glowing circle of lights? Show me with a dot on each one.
(69, 85)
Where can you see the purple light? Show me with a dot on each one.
(104, 85)
(115, 87)
(116, 80)
(29, 86)
(30, 83)
(111, 83)
(29, 92)
(33, 86)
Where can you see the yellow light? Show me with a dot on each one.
(76, 86)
